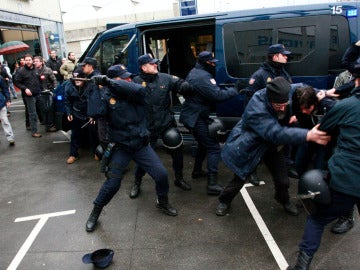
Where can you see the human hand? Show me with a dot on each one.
(317, 136)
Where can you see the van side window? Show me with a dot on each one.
(108, 49)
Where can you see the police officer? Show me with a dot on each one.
(261, 134)
(344, 170)
(195, 116)
(277, 57)
(160, 88)
(124, 110)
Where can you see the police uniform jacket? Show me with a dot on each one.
(159, 90)
(257, 131)
(265, 74)
(205, 94)
(344, 165)
(26, 77)
(76, 99)
(123, 106)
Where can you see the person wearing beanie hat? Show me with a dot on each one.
(261, 135)
(277, 57)
(123, 108)
(161, 93)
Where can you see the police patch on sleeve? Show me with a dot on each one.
(112, 101)
(212, 80)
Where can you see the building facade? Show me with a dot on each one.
(38, 23)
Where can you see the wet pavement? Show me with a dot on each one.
(45, 203)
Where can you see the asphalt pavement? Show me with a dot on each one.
(45, 202)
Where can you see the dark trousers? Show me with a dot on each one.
(79, 135)
(176, 156)
(340, 205)
(307, 153)
(145, 158)
(47, 110)
(276, 163)
(207, 145)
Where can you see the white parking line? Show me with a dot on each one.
(275, 250)
(31, 238)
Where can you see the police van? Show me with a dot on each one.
(316, 34)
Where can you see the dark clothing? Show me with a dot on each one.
(76, 99)
(344, 165)
(160, 88)
(55, 64)
(195, 114)
(344, 168)
(4, 93)
(267, 72)
(350, 57)
(28, 78)
(260, 134)
(204, 96)
(47, 79)
(124, 110)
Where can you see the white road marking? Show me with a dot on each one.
(31, 238)
(275, 250)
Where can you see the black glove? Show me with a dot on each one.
(101, 79)
(185, 88)
(241, 84)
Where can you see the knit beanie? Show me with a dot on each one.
(278, 90)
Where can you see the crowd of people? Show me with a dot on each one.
(123, 115)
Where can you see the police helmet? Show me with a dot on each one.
(99, 151)
(215, 126)
(313, 190)
(172, 138)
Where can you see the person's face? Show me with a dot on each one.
(37, 63)
(53, 55)
(79, 83)
(150, 68)
(22, 62)
(87, 69)
(280, 109)
(307, 111)
(72, 56)
(28, 61)
(280, 58)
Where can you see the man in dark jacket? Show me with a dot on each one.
(160, 121)
(344, 167)
(195, 114)
(124, 109)
(54, 63)
(28, 80)
(260, 135)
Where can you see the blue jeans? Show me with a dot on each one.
(207, 145)
(341, 204)
(146, 158)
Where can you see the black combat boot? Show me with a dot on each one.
(180, 182)
(344, 223)
(163, 204)
(303, 262)
(135, 190)
(213, 188)
(92, 220)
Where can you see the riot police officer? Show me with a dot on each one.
(123, 106)
(195, 116)
(160, 89)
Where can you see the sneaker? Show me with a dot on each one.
(11, 142)
(36, 135)
(71, 160)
